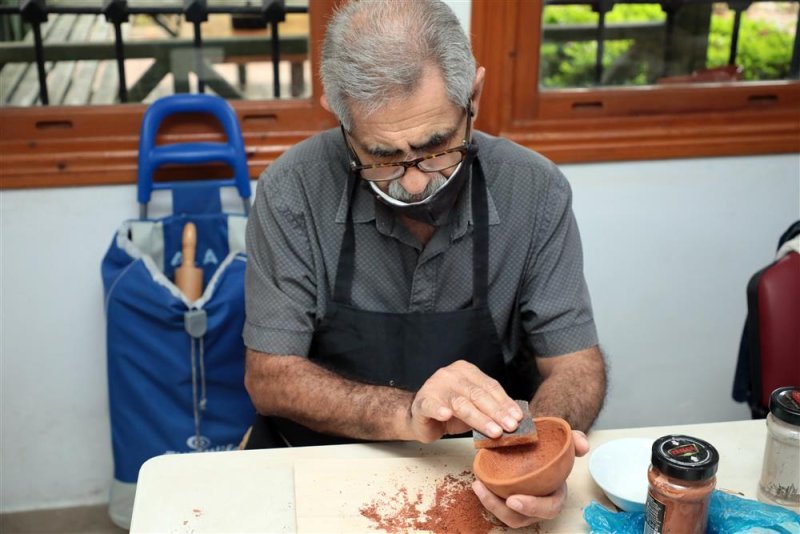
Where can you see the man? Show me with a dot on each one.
(407, 277)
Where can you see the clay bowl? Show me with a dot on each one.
(537, 469)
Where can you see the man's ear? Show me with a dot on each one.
(477, 90)
(323, 101)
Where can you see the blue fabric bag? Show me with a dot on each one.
(176, 367)
(172, 391)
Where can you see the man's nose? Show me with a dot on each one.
(414, 181)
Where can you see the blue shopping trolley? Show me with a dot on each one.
(175, 366)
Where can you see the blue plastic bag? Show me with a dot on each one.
(727, 514)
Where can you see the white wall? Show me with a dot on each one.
(669, 247)
(463, 10)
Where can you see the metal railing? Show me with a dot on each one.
(118, 12)
(671, 9)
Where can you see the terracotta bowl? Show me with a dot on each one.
(537, 469)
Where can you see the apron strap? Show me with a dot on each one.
(347, 253)
(480, 238)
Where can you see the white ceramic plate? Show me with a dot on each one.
(619, 467)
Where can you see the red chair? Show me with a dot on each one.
(773, 301)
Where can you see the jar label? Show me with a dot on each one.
(653, 515)
(795, 397)
(683, 451)
(686, 451)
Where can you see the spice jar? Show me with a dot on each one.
(682, 477)
(780, 472)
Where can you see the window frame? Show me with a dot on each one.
(97, 145)
(618, 124)
(60, 146)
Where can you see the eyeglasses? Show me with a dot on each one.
(438, 162)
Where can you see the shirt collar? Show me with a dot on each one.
(463, 211)
(363, 205)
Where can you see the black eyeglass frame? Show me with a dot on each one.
(357, 167)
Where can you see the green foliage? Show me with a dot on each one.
(573, 64)
(764, 50)
(572, 14)
(569, 15)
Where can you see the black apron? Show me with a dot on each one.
(400, 349)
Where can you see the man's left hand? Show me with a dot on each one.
(523, 510)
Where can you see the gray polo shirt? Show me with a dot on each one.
(537, 292)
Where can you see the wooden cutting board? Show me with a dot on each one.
(365, 495)
(261, 501)
(339, 497)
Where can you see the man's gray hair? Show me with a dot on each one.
(376, 51)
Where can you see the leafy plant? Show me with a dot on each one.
(764, 50)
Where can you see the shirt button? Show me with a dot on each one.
(391, 383)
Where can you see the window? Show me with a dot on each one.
(141, 52)
(586, 45)
(86, 136)
(637, 81)
(648, 97)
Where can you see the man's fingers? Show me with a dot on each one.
(541, 507)
(581, 443)
(484, 394)
(471, 415)
(464, 392)
(490, 398)
(432, 408)
(498, 507)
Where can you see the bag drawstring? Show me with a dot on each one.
(203, 402)
(196, 323)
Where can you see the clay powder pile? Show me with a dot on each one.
(455, 508)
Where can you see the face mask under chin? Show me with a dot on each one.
(435, 209)
(396, 196)
(397, 192)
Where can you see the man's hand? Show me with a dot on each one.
(523, 510)
(457, 398)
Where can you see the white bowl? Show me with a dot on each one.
(619, 467)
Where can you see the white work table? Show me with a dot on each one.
(321, 489)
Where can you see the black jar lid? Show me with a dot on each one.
(685, 457)
(784, 403)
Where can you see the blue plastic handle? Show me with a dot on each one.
(151, 157)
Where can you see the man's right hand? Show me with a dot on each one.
(458, 398)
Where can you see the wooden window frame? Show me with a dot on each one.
(59, 146)
(97, 145)
(615, 124)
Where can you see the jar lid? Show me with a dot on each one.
(685, 457)
(784, 403)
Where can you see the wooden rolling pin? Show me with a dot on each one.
(188, 277)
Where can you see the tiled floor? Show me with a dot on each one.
(84, 520)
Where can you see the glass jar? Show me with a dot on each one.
(681, 477)
(780, 472)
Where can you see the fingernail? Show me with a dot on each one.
(493, 429)
(510, 423)
(514, 504)
(517, 412)
(478, 490)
